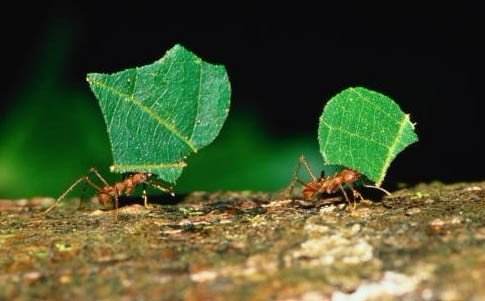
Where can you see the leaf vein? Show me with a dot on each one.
(376, 107)
(130, 98)
(178, 165)
(199, 100)
(354, 135)
(392, 149)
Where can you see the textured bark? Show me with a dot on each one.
(425, 242)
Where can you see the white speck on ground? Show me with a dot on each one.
(391, 285)
(203, 276)
(333, 247)
(312, 296)
(473, 188)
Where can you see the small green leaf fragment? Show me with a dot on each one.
(364, 130)
(157, 115)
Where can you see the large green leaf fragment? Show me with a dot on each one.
(364, 130)
(159, 114)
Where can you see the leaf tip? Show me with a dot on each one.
(413, 124)
(90, 77)
(177, 47)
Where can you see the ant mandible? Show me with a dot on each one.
(109, 193)
(330, 184)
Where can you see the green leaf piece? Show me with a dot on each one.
(159, 114)
(364, 130)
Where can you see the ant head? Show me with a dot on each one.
(310, 190)
(350, 176)
(308, 194)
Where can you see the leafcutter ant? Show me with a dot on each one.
(330, 184)
(110, 193)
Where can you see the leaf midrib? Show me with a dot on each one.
(164, 123)
(176, 165)
(392, 149)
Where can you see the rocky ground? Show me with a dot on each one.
(422, 243)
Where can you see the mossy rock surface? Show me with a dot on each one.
(422, 243)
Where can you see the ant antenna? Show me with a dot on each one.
(96, 172)
(307, 167)
(303, 183)
(296, 179)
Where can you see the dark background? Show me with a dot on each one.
(284, 64)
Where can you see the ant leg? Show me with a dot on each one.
(357, 195)
(96, 172)
(378, 188)
(296, 179)
(74, 185)
(158, 186)
(116, 206)
(83, 196)
(144, 194)
(345, 195)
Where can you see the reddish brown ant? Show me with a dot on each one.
(109, 193)
(330, 184)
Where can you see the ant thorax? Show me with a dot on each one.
(124, 187)
(342, 180)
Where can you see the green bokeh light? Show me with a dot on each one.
(53, 133)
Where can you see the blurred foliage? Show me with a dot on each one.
(53, 133)
(244, 157)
